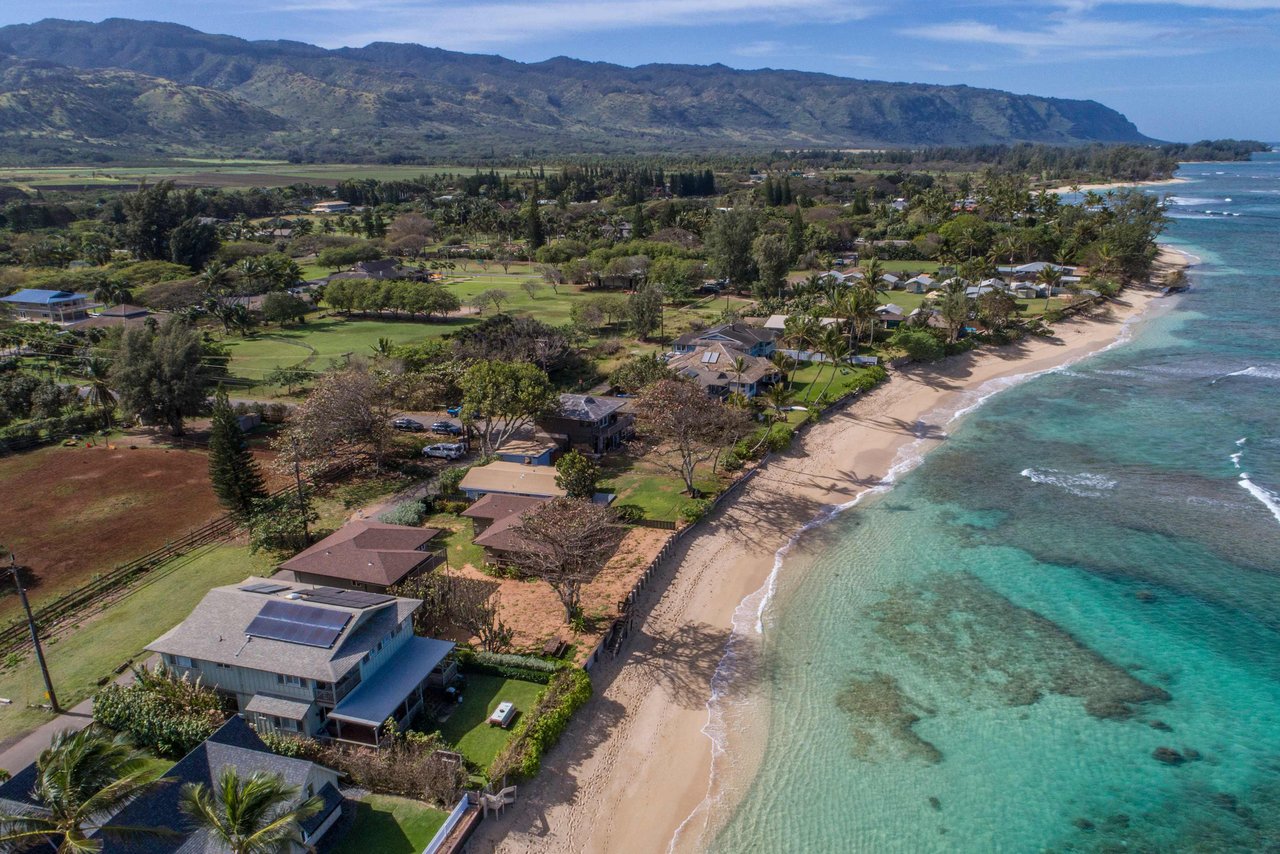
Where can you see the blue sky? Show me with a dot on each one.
(1181, 70)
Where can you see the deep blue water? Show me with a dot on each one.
(990, 656)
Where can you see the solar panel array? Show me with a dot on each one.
(345, 598)
(300, 624)
(265, 588)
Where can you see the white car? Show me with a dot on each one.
(446, 450)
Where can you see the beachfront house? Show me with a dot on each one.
(320, 662)
(890, 315)
(596, 424)
(234, 745)
(365, 555)
(507, 478)
(723, 370)
(495, 517)
(752, 340)
(44, 306)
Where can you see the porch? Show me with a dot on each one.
(396, 691)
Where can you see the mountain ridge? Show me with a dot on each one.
(421, 98)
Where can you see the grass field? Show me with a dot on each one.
(101, 643)
(468, 728)
(385, 824)
(216, 173)
(656, 490)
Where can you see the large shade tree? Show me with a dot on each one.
(566, 542)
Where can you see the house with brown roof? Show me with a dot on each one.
(752, 340)
(365, 555)
(127, 316)
(495, 518)
(723, 370)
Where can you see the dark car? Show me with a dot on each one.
(446, 428)
(408, 425)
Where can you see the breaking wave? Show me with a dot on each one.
(1083, 484)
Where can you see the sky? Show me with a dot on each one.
(1180, 69)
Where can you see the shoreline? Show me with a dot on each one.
(1116, 185)
(637, 770)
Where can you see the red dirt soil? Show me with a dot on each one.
(69, 513)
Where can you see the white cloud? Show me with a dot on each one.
(1068, 36)
(465, 26)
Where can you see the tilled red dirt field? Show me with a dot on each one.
(69, 513)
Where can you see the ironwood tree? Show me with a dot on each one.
(236, 478)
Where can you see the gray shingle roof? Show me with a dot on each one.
(586, 407)
(215, 631)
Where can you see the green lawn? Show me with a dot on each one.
(809, 381)
(657, 491)
(321, 342)
(385, 824)
(458, 534)
(102, 643)
(468, 728)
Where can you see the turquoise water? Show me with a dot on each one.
(990, 656)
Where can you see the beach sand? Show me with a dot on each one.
(635, 764)
(1118, 185)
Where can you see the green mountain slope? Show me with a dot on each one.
(383, 98)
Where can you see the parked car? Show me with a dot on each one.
(446, 428)
(446, 450)
(455, 411)
(408, 425)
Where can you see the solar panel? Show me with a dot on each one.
(710, 358)
(345, 598)
(300, 624)
(265, 588)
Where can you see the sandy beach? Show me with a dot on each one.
(1117, 185)
(635, 765)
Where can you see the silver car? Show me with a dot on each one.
(446, 450)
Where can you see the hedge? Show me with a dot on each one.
(408, 513)
(540, 729)
(168, 715)
(507, 666)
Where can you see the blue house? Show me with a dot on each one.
(751, 340)
(48, 306)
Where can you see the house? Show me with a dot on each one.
(42, 306)
(777, 323)
(127, 316)
(330, 207)
(891, 315)
(494, 517)
(596, 423)
(891, 281)
(531, 448)
(365, 555)
(752, 340)
(921, 284)
(506, 478)
(234, 745)
(724, 370)
(383, 269)
(321, 662)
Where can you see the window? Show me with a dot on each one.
(224, 666)
(183, 661)
(291, 681)
(288, 725)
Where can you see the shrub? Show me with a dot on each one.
(541, 728)
(407, 513)
(696, 509)
(454, 507)
(628, 512)
(508, 666)
(919, 344)
(166, 714)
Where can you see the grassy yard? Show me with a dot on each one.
(457, 535)
(101, 643)
(389, 825)
(468, 729)
(656, 490)
(809, 381)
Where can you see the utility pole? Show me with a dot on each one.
(35, 636)
(302, 498)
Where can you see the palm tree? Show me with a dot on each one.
(254, 815)
(785, 365)
(739, 367)
(383, 348)
(1049, 276)
(112, 292)
(100, 395)
(872, 272)
(836, 349)
(778, 398)
(82, 780)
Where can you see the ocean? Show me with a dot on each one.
(1060, 631)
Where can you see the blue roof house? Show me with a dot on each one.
(44, 306)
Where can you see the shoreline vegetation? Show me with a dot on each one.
(640, 766)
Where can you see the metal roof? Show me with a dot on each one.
(375, 699)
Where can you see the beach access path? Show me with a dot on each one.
(635, 765)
